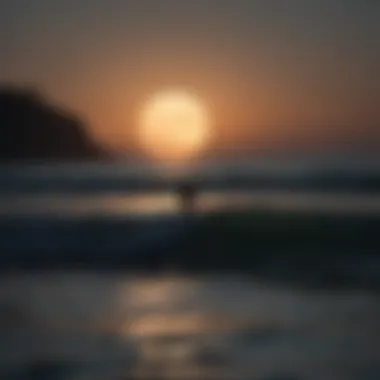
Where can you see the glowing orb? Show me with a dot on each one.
(173, 125)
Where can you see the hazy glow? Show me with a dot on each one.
(173, 125)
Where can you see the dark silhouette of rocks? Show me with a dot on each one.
(33, 129)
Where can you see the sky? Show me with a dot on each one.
(276, 75)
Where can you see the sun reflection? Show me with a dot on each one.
(166, 325)
(159, 292)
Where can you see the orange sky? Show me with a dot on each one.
(273, 75)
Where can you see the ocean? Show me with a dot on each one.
(84, 322)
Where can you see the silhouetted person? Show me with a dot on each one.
(187, 194)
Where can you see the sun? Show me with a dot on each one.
(173, 125)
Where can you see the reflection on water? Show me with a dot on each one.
(112, 327)
(167, 203)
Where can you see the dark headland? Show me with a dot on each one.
(31, 128)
